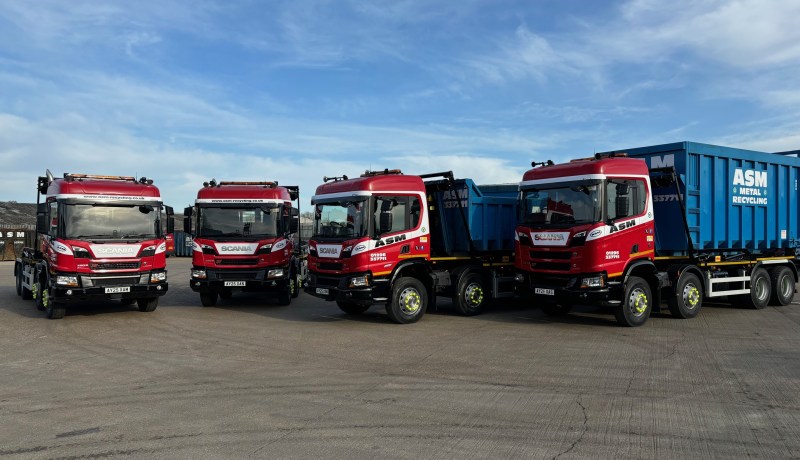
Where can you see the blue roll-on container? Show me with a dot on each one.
(490, 212)
(183, 244)
(735, 199)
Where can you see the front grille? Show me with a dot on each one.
(557, 255)
(550, 266)
(237, 275)
(322, 280)
(237, 261)
(115, 266)
(89, 281)
(330, 266)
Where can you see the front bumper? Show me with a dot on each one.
(244, 280)
(562, 291)
(137, 291)
(335, 287)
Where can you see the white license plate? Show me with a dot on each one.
(235, 283)
(117, 290)
(543, 291)
(323, 291)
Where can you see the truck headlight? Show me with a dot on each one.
(158, 277)
(359, 281)
(67, 281)
(80, 253)
(199, 273)
(275, 273)
(149, 251)
(593, 282)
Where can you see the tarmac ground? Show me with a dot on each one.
(250, 378)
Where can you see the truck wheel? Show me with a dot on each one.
(53, 309)
(128, 301)
(555, 309)
(408, 302)
(637, 303)
(295, 280)
(39, 294)
(18, 278)
(285, 296)
(687, 298)
(760, 290)
(208, 299)
(226, 294)
(470, 296)
(783, 286)
(147, 305)
(352, 308)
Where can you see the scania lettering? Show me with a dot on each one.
(244, 239)
(700, 223)
(98, 237)
(402, 240)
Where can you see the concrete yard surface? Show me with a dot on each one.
(250, 378)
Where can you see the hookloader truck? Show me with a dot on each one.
(98, 237)
(402, 240)
(673, 224)
(245, 239)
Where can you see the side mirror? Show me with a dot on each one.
(170, 221)
(42, 222)
(385, 224)
(622, 190)
(294, 221)
(187, 225)
(187, 212)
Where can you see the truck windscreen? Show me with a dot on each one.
(256, 222)
(83, 221)
(562, 206)
(342, 219)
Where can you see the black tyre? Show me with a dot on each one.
(208, 299)
(19, 281)
(39, 294)
(147, 305)
(352, 308)
(556, 309)
(470, 296)
(408, 301)
(285, 296)
(687, 297)
(760, 290)
(128, 301)
(53, 309)
(226, 294)
(783, 286)
(637, 303)
(295, 280)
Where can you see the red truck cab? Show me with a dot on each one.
(99, 237)
(244, 240)
(364, 230)
(583, 226)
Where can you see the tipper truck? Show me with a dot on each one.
(244, 240)
(98, 237)
(676, 224)
(401, 240)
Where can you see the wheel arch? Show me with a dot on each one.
(645, 269)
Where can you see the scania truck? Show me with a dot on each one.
(245, 239)
(401, 240)
(675, 224)
(98, 237)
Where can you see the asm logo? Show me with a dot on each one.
(390, 240)
(622, 226)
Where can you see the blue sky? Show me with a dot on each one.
(183, 91)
